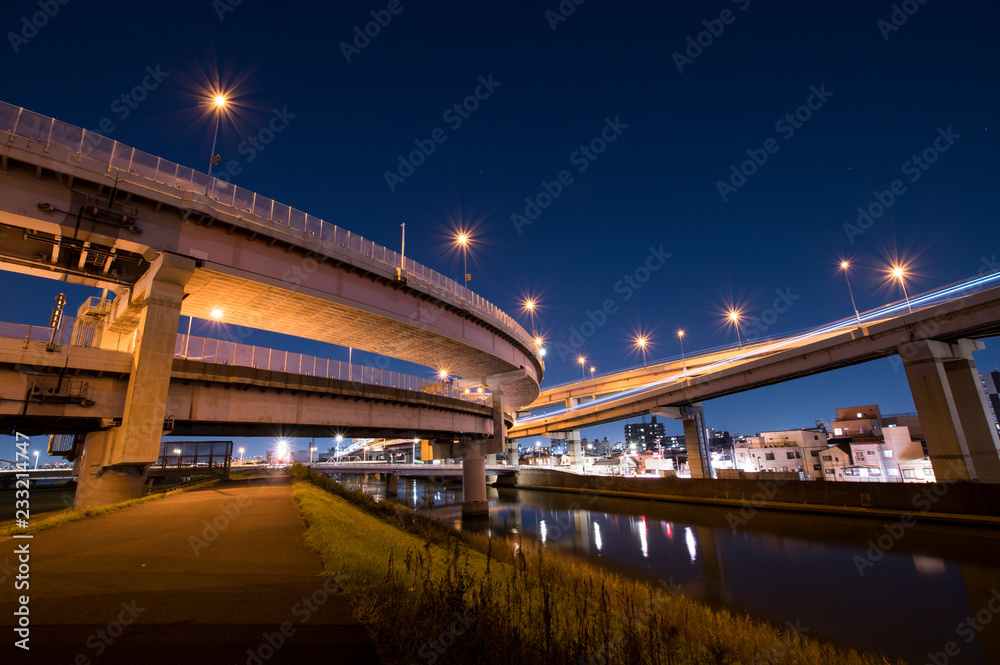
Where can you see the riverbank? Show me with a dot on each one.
(463, 598)
(973, 504)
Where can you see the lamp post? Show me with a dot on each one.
(187, 339)
(463, 240)
(36, 459)
(583, 366)
(219, 102)
(641, 343)
(898, 272)
(734, 317)
(242, 450)
(680, 336)
(530, 306)
(844, 265)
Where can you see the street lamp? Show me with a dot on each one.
(844, 265)
(592, 373)
(641, 342)
(734, 318)
(177, 451)
(463, 240)
(312, 449)
(36, 459)
(219, 103)
(680, 336)
(529, 305)
(898, 272)
(242, 450)
(583, 366)
(216, 313)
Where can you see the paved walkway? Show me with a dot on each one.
(207, 576)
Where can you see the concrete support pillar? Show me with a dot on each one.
(100, 485)
(154, 307)
(391, 485)
(696, 441)
(961, 440)
(491, 458)
(575, 446)
(474, 503)
(512, 452)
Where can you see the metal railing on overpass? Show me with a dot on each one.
(82, 148)
(223, 352)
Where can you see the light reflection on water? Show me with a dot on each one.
(780, 566)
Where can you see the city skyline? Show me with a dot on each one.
(726, 171)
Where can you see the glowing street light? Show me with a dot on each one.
(583, 366)
(734, 318)
(242, 450)
(36, 459)
(463, 240)
(529, 305)
(680, 336)
(592, 373)
(898, 272)
(641, 342)
(443, 375)
(219, 103)
(216, 314)
(844, 265)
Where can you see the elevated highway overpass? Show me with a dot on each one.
(81, 208)
(934, 343)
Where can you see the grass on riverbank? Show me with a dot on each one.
(432, 593)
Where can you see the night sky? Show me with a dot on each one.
(723, 144)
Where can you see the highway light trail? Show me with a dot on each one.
(936, 297)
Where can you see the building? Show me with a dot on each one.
(785, 451)
(872, 449)
(645, 435)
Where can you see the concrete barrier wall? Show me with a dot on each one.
(972, 499)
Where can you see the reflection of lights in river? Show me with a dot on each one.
(597, 537)
(543, 529)
(668, 528)
(692, 545)
(643, 545)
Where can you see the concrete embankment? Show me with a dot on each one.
(970, 503)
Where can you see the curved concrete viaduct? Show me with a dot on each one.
(82, 208)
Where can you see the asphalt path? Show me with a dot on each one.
(216, 575)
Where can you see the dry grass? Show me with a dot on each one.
(435, 594)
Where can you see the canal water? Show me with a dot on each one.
(907, 591)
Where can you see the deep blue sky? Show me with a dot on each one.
(655, 185)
